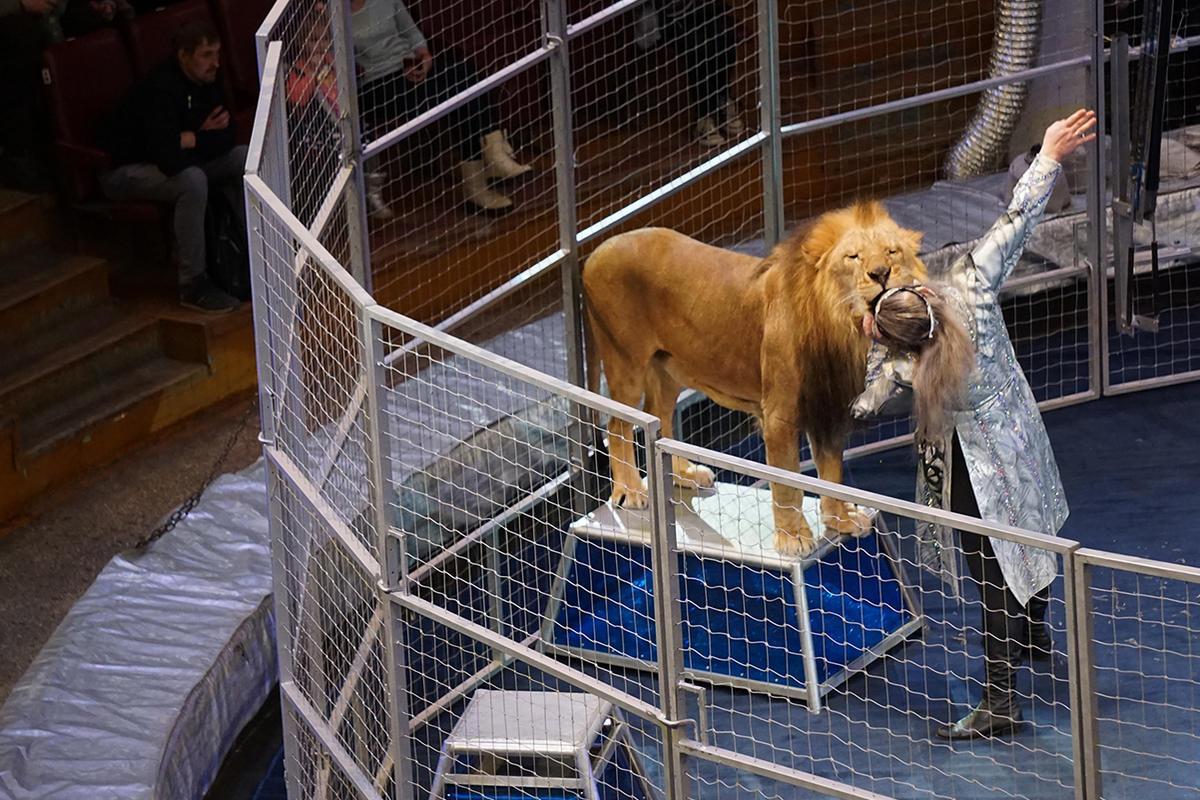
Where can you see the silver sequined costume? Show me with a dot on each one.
(1003, 439)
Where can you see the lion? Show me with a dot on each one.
(779, 338)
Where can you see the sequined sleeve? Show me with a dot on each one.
(998, 252)
(888, 389)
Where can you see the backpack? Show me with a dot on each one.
(225, 244)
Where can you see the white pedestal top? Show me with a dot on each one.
(728, 521)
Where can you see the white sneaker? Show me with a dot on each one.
(707, 132)
(733, 120)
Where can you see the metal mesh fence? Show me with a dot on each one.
(1163, 266)
(513, 628)
(333, 625)
(885, 633)
(1142, 664)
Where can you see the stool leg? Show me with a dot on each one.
(635, 758)
(439, 779)
(587, 778)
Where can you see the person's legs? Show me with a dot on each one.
(187, 192)
(1002, 621)
(24, 136)
(1037, 638)
(470, 121)
(226, 172)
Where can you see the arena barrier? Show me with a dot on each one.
(460, 614)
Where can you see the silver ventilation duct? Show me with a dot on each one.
(983, 148)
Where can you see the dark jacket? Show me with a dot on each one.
(145, 126)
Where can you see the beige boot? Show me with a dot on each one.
(375, 203)
(476, 191)
(500, 159)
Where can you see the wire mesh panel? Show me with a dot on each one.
(658, 91)
(1143, 669)
(486, 478)
(313, 772)
(1162, 267)
(484, 463)
(465, 202)
(315, 357)
(845, 664)
(332, 622)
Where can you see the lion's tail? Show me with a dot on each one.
(591, 359)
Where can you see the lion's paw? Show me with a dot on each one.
(696, 476)
(628, 497)
(845, 518)
(789, 544)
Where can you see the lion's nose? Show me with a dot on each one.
(880, 275)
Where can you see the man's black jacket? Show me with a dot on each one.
(145, 126)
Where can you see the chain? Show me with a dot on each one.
(185, 508)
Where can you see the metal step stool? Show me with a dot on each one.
(534, 740)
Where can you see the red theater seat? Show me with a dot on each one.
(85, 78)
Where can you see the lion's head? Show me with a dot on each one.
(859, 251)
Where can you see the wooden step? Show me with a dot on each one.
(39, 432)
(75, 355)
(43, 289)
(26, 220)
(204, 359)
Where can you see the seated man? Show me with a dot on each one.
(173, 140)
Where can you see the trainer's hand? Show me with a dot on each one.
(1065, 135)
(187, 140)
(218, 119)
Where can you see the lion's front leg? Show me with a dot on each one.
(793, 537)
(626, 479)
(837, 515)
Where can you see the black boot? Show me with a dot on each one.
(997, 714)
(1040, 645)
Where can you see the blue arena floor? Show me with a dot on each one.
(1131, 469)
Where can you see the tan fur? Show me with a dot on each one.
(779, 338)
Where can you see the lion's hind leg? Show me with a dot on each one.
(662, 391)
(624, 386)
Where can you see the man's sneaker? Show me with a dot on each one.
(202, 295)
(707, 132)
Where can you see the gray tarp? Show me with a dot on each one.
(144, 685)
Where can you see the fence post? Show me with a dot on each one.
(1081, 624)
(668, 616)
(351, 128)
(1097, 280)
(554, 26)
(393, 556)
(771, 122)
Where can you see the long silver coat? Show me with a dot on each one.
(1003, 439)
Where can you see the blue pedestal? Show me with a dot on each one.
(752, 618)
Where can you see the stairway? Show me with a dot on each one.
(86, 376)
